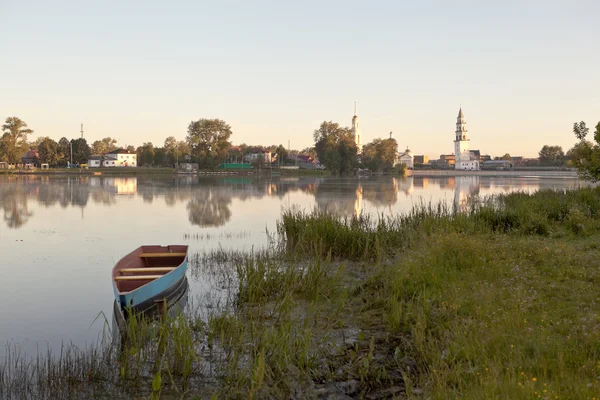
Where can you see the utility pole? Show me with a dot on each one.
(82, 130)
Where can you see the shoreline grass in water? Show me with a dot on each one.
(496, 300)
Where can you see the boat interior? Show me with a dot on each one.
(146, 264)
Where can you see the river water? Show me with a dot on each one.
(61, 236)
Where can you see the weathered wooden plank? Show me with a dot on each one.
(148, 269)
(160, 255)
(137, 277)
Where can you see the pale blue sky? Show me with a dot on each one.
(139, 71)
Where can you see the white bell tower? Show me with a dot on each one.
(463, 159)
(356, 130)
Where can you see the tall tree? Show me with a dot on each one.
(336, 148)
(310, 151)
(209, 141)
(170, 147)
(14, 139)
(160, 157)
(35, 145)
(282, 153)
(551, 155)
(49, 152)
(105, 145)
(585, 155)
(380, 154)
(580, 130)
(81, 151)
(147, 154)
(64, 148)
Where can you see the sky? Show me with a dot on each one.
(140, 71)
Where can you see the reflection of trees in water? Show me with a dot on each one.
(14, 204)
(209, 207)
(346, 197)
(381, 192)
(339, 197)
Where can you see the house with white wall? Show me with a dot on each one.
(258, 152)
(120, 158)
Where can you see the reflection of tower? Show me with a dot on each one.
(358, 202)
(405, 184)
(355, 129)
(465, 187)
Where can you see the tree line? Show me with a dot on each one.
(207, 143)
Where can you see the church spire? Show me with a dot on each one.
(461, 126)
(355, 129)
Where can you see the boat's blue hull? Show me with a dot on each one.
(151, 290)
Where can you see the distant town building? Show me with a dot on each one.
(121, 158)
(406, 158)
(356, 130)
(95, 161)
(518, 161)
(464, 158)
(31, 157)
(115, 158)
(497, 164)
(447, 159)
(256, 153)
(420, 159)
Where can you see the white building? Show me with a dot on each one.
(120, 158)
(258, 153)
(356, 130)
(406, 158)
(95, 161)
(464, 159)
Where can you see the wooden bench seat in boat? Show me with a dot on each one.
(148, 269)
(159, 255)
(137, 277)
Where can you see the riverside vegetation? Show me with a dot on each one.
(497, 300)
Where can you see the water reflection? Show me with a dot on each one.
(209, 201)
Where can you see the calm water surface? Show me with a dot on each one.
(61, 236)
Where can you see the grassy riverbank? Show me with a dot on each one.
(496, 302)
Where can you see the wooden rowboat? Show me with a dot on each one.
(148, 274)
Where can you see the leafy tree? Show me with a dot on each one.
(105, 145)
(64, 148)
(506, 156)
(183, 149)
(209, 141)
(335, 147)
(35, 145)
(310, 151)
(170, 147)
(160, 157)
(81, 151)
(130, 148)
(146, 156)
(49, 152)
(580, 130)
(551, 155)
(14, 139)
(282, 153)
(585, 155)
(380, 154)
